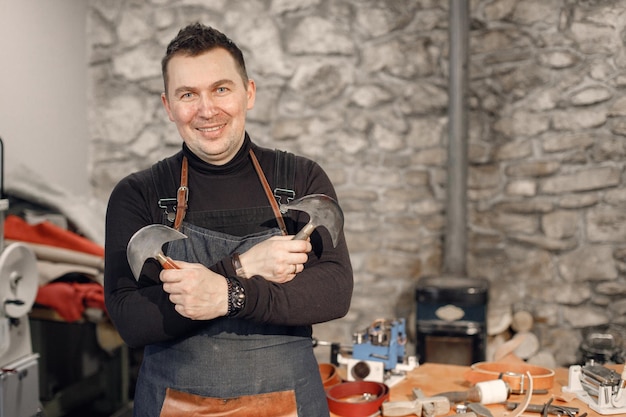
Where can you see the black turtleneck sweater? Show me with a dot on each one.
(142, 312)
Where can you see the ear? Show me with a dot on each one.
(251, 92)
(166, 104)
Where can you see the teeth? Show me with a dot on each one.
(209, 129)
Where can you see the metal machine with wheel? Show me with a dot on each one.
(601, 388)
(19, 282)
(19, 376)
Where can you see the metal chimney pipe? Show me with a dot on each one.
(455, 240)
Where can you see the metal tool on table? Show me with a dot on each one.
(601, 388)
(378, 351)
(479, 410)
(322, 210)
(421, 406)
(526, 400)
(547, 408)
(147, 243)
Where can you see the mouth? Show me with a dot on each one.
(210, 129)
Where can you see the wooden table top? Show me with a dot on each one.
(433, 378)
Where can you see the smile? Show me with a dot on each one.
(210, 129)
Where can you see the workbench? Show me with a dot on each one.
(434, 378)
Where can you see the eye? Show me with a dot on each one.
(186, 95)
(221, 90)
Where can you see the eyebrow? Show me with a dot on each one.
(214, 85)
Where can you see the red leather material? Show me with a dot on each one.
(46, 233)
(357, 398)
(70, 299)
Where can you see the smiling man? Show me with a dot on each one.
(233, 322)
(208, 100)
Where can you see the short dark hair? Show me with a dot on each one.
(195, 39)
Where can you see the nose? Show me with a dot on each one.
(207, 106)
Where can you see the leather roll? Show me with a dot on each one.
(357, 398)
(330, 375)
(513, 373)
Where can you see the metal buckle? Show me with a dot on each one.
(522, 377)
(280, 192)
(166, 204)
(185, 190)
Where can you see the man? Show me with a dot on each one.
(234, 321)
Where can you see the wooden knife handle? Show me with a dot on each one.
(305, 232)
(166, 262)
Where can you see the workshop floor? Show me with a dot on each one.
(124, 412)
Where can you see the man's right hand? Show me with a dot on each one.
(278, 259)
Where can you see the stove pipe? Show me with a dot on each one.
(455, 245)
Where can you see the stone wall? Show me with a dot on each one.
(361, 87)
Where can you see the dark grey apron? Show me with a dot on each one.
(230, 357)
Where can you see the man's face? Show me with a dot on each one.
(207, 100)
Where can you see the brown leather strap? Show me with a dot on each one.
(513, 373)
(182, 196)
(356, 398)
(274, 404)
(268, 193)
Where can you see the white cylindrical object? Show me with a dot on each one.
(493, 392)
(19, 280)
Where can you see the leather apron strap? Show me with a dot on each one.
(268, 193)
(182, 195)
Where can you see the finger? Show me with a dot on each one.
(181, 310)
(298, 258)
(300, 246)
(169, 275)
(172, 289)
(282, 237)
(173, 299)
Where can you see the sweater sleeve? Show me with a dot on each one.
(140, 310)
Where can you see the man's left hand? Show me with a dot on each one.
(196, 292)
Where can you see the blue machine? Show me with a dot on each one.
(383, 341)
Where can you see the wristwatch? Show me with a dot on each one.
(236, 296)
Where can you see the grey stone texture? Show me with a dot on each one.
(361, 87)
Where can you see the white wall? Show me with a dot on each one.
(43, 81)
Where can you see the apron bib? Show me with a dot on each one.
(228, 358)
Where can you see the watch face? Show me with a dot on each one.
(236, 296)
